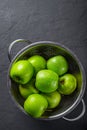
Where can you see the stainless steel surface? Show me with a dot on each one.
(80, 115)
(13, 43)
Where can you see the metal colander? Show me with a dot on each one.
(49, 49)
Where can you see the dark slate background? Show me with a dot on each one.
(63, 21)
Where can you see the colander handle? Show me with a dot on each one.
(81, 114)
(12, 44)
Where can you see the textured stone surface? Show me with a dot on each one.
(63, 21)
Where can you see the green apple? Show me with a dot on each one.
(46, 81)
(28, 89)
(21, 71)
(67, 84)
(38, 62)
(35, 105)
(53, 99)
(58, 64)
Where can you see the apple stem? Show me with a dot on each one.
(62, 82)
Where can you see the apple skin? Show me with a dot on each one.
(35, 105)
(53, 99)
(58, 64)
(67, 84)
(38, 62)
(46, 81)
(21, 71)
(28, 89)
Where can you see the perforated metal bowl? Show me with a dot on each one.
(48, 49)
